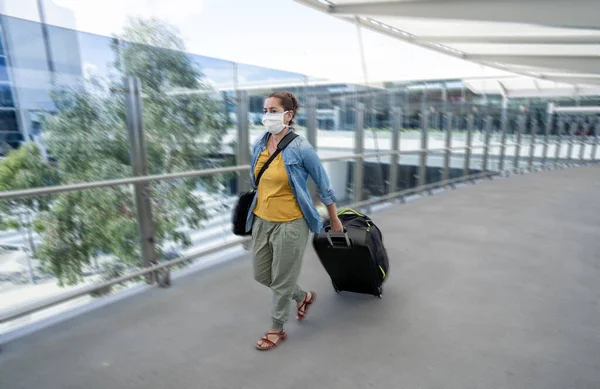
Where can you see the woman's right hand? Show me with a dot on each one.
(336, 225)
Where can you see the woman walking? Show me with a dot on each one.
(282, 213)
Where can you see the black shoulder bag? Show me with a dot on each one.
(240, 212)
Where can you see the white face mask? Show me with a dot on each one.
(273, 122)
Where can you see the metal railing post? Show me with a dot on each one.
(547, 138)
(448, 147)
(596, 141)
(358, 150)
(311, 136)
(486, 149)
(583, 141)
(139, 162)
(558, 151)
(423, 151)
(311, 120)
(444, 112)
(468, 145)
(532, 143)
(243, 139)
(520, 128)
(503, 124)
(572, 131)
(395, 157)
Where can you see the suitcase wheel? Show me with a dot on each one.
(380, 291)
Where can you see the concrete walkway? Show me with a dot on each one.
(492, 286)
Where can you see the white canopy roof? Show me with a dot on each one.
(554, 44)
(522, 86)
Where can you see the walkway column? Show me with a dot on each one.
(139, 163)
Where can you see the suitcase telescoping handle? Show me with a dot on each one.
(344, 234)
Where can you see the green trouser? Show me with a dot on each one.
(278, 250)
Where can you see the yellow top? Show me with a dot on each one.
(276, 201)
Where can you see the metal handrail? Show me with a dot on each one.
(423, 188)
(413, 151)
(379, 154)
(19, 194)
(25, 193)
(370, 155)
(340, 158)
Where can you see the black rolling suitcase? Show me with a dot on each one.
(356, 260)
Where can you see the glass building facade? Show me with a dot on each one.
(10, 135)
(38, 59)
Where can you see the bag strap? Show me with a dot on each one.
(349, 210)
(280, 146)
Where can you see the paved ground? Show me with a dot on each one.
(492, 286)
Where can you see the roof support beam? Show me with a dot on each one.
(520, 39)
(581, 76)
(577, 64)
(574, 91)
(572, 80)
(557, 13)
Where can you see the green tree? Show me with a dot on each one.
(24, 168)
(88, 137)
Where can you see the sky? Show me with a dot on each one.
(279, 34)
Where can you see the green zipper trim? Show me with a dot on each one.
(346, 210)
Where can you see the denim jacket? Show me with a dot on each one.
(301, 160)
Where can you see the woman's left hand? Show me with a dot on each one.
(336, 225)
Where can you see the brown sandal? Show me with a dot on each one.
(303, 308)
(269, 344)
